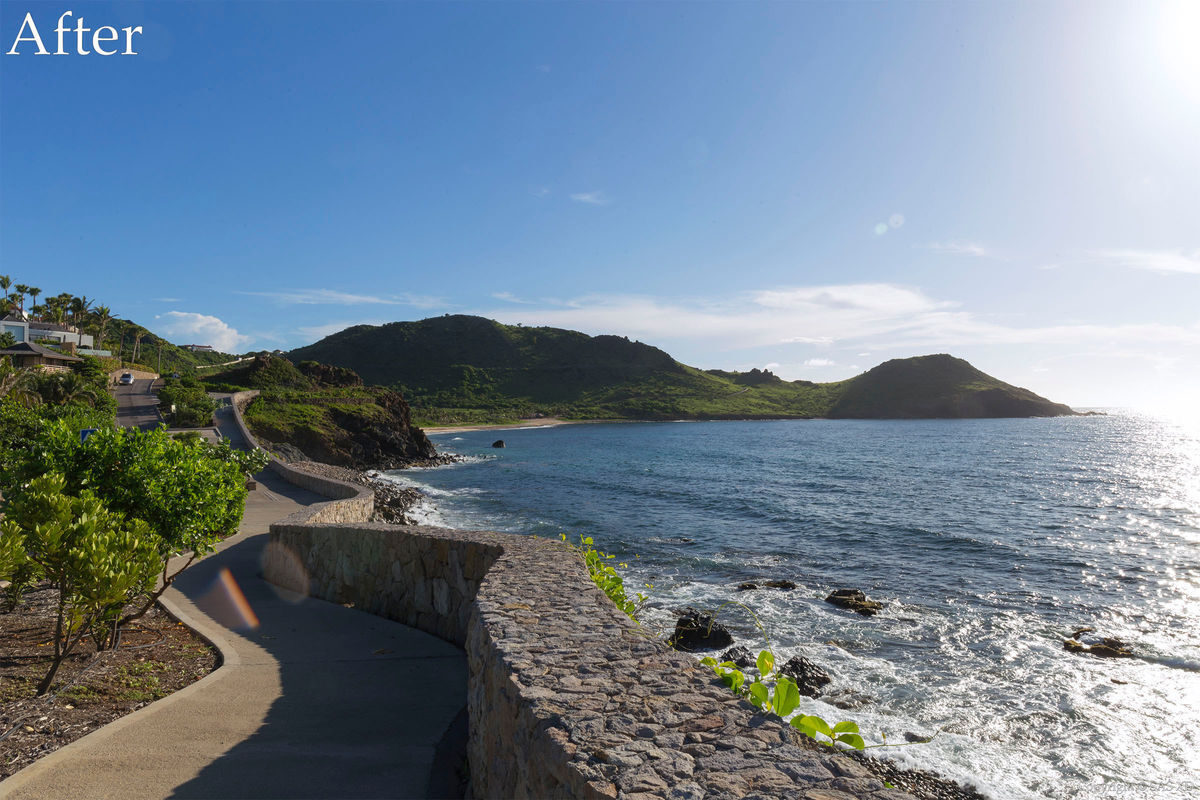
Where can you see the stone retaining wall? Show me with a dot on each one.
(352, 503)
(567, 697)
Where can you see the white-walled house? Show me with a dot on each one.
(29, 332)
(63, 334)
(19, 328)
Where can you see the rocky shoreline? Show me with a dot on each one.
(393, 503)
(698, 631)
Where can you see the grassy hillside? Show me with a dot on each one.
(940, 386)
(121, 336)
(474, 355)
(325, 413)
(462, 370)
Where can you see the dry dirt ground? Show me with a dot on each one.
(156, 656)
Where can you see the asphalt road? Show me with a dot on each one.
(137, 405)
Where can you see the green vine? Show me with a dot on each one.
(783, 700)
(606, 576)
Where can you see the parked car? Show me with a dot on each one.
(126, 379)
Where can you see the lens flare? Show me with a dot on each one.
(227, 604)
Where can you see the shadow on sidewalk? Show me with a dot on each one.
(366, 707)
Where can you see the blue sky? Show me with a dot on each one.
(816, 187)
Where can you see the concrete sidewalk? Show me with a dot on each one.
(316, 701)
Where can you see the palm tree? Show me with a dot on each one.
(19, 294)
(33, 293)
(101, 316)
(138, 333)
(79, 307)
(57, 312)
(61, 389)
(20, 384)
(5, 282)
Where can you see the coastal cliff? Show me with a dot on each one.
(319, 412)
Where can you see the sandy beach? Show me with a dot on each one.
(540, 422)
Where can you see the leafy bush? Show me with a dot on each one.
(782, 700)
(193, 407)
(20, 425)
(189, 493)
(97, 559)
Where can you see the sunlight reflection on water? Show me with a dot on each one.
(990, 540)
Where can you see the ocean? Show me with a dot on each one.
(990, 541)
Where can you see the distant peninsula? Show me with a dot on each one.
(462, 370)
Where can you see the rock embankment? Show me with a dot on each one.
(393, 503)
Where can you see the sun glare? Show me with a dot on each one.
(1178, 45)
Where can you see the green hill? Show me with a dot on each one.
(128, 339)
(462, 369)
(938, 386)
(315, 411)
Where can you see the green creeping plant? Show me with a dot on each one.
(783, 700)
(607, 577)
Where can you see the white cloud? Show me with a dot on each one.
(869, 317)
(1154, 260)
(540, 191)
(185, 327)
(509, 297)
(819, 362)
(315, 297)
(167, 300)
(591, 198)
(960, 248)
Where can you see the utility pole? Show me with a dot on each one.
(160, 358)
(121, 350)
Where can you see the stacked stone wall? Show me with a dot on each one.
(567, 697)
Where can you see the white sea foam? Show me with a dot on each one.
(983, 580)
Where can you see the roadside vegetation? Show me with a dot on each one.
(185, 403)
(91, 518)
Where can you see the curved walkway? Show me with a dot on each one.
(316, 701)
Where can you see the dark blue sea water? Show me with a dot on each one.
(990, 540)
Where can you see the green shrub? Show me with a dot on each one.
(193, 408)
(189, 493)
(97, 559)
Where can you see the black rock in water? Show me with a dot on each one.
(698, 631)
(498, 443)
(808, 676)
(1105, 648)
(739, 656)
(855, 600)
(744, 587)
